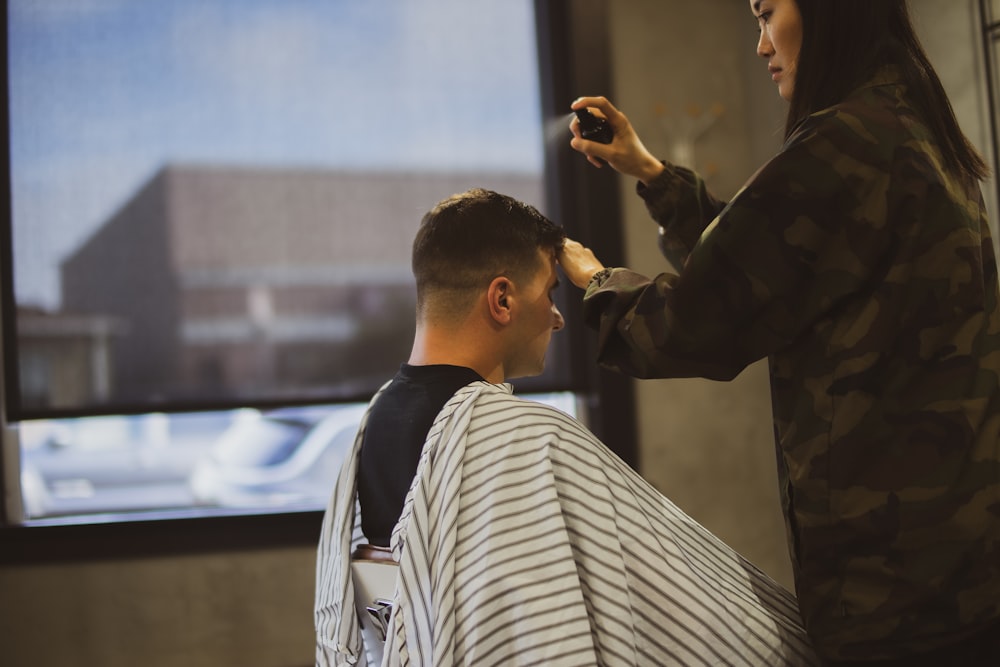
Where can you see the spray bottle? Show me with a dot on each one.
(593, 128)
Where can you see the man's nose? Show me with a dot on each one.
(557, 319)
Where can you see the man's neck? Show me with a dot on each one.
(434, 346)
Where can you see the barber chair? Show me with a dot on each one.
(374, 573)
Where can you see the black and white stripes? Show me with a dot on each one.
(525, 541)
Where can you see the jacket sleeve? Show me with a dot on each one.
(806, 232)
(679, 201)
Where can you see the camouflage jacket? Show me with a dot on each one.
(866, 274)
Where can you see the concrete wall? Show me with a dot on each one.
(707, 445)
(251, 609)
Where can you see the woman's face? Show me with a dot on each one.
(780, 26)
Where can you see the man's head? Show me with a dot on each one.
(487, 256)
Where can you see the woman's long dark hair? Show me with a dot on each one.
(845, 41)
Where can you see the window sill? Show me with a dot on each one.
(72, 539)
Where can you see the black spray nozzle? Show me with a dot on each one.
(593, 128)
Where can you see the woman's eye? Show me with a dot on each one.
(762, 20)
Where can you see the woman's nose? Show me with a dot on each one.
(557, 319)
(764, 49)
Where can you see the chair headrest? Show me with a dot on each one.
(373, 552)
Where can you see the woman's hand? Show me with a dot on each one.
(578, 263)
(626, 153)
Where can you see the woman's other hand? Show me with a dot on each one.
(578, 263)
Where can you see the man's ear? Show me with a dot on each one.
(499, 297)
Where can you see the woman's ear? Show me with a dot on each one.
(499, 297)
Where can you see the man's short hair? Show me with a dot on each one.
(470, 238)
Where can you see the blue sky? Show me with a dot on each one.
(104, 92)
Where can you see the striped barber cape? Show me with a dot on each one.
(525, 541)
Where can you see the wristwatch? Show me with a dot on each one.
(598, 278)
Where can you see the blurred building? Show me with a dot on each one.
(232, 283)
(64, 359)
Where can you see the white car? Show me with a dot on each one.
(278, 458)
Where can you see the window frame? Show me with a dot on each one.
(573, 59)
(991, 57)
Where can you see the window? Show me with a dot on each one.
(211, 206)
(213, 201)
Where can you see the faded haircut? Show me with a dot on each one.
(469, 239)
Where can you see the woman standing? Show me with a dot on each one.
(859, 262)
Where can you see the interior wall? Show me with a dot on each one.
(707, 445)
(248, 609)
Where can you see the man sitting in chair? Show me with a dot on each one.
(520, 538)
